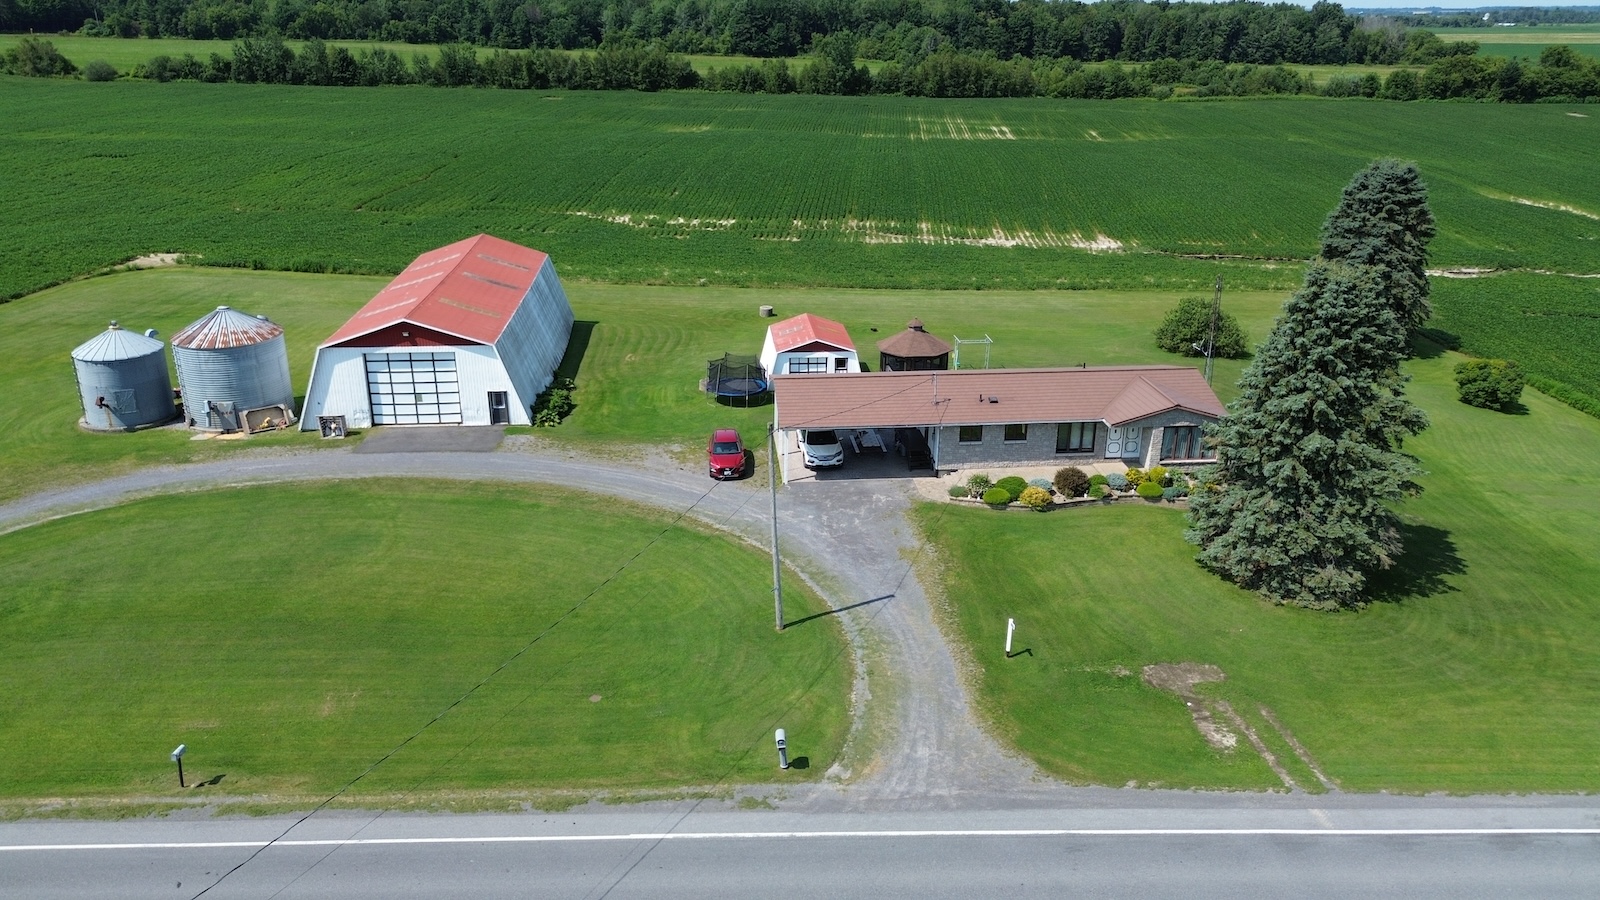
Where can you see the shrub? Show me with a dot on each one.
(1042, 484)
(555, 403)
(1072, 482)
(1159, 475)
(1117, 482)
(1036, 498)
(978, 485)
(997, 496)
(99, 70)
(1189, 323)
(1013, 485)
(1099, 491)
(1150, 490)
(1489, 383)
(1097, 478)
(1135, 477)
(1174, 493)
(959, 492)
(35, 58)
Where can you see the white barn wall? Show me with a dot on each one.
(338, 388)
(533, 343)
(853, 364)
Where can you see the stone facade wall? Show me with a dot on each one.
(1040, 447)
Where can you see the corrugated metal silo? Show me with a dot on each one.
(122, 380)
(230, 363)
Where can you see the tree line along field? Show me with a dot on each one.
(777, 191)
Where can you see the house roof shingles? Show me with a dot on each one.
(468, 289)
(1112, 394)
(797, 332)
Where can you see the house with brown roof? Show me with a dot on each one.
(808, 344)
(468, 334)
(1138, 415)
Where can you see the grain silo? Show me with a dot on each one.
(122, 380)
(233, 370)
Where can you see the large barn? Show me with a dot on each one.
(468, 334)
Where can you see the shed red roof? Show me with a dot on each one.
(468, 289)
(792, 334)
(1110, 394)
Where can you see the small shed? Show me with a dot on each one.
(808, 344)
(122, 380)
(913, 350)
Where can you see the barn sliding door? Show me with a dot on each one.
(414, 388)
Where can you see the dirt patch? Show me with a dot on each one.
(1180, 679)
(154, 260)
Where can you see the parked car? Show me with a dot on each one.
(821, 447)
(725, 454)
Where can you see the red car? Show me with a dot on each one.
(725, 454)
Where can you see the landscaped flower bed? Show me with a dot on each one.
(1073, 487)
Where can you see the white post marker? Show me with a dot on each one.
(1011, 627)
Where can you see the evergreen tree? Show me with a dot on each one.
(1297, 506)
(1383, 221)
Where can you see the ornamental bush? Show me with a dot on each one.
(1035, 498)
(1013, 485)
(997, 496)
(1117, 482)
(1489, 383)
(1071, 482)
(959, 492)
(1174, 493)
(1042, 484)
(1160, 475)
(977, 485)
(1135, 477)
(1150, 490)
(1097, 478)
(1099, 491)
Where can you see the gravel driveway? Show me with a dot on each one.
(850, 538)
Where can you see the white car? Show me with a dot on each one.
(821, 448)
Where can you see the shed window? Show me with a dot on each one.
(808, 365)
(971, 434)
(1076, 437)
(1016, 433)
(1183, 442)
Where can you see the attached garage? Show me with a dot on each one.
(468, 334)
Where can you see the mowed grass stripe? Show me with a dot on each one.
(293, 634)
(1475, 672)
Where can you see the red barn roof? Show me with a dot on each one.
(792, 334)
(468, 289)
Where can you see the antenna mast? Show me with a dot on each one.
(1211, 333)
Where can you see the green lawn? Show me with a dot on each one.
(292, 635)
(639, 353)
(1477, 670)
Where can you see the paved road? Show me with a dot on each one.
(1405, 848)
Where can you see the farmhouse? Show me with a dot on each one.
(468, 334)
(1139, 415)
(808, 344)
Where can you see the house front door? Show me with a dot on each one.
(1114, 443)
(1130, 442)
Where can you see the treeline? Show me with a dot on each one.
(1517, 15)
(904, 31)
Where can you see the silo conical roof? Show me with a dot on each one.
(226, 327)
(114, 344)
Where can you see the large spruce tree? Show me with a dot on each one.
(1308, 458)
(1383, 222)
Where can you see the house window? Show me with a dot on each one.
(971, 434)
(841, 364)
(1076, 437)
(1183, 442)
(808, 365)
(1016, 433)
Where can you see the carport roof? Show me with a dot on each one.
(1111, 394)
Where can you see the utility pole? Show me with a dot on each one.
(1211, 334)
(772, 479)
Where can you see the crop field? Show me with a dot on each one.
(1476, 670)
(1549, 325)
(292, 635)
(643, 351)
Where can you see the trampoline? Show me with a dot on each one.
(735, 377)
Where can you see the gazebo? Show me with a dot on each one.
(913, 350)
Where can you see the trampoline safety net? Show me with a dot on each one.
(735, 375)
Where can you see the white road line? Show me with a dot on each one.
(758, 835)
